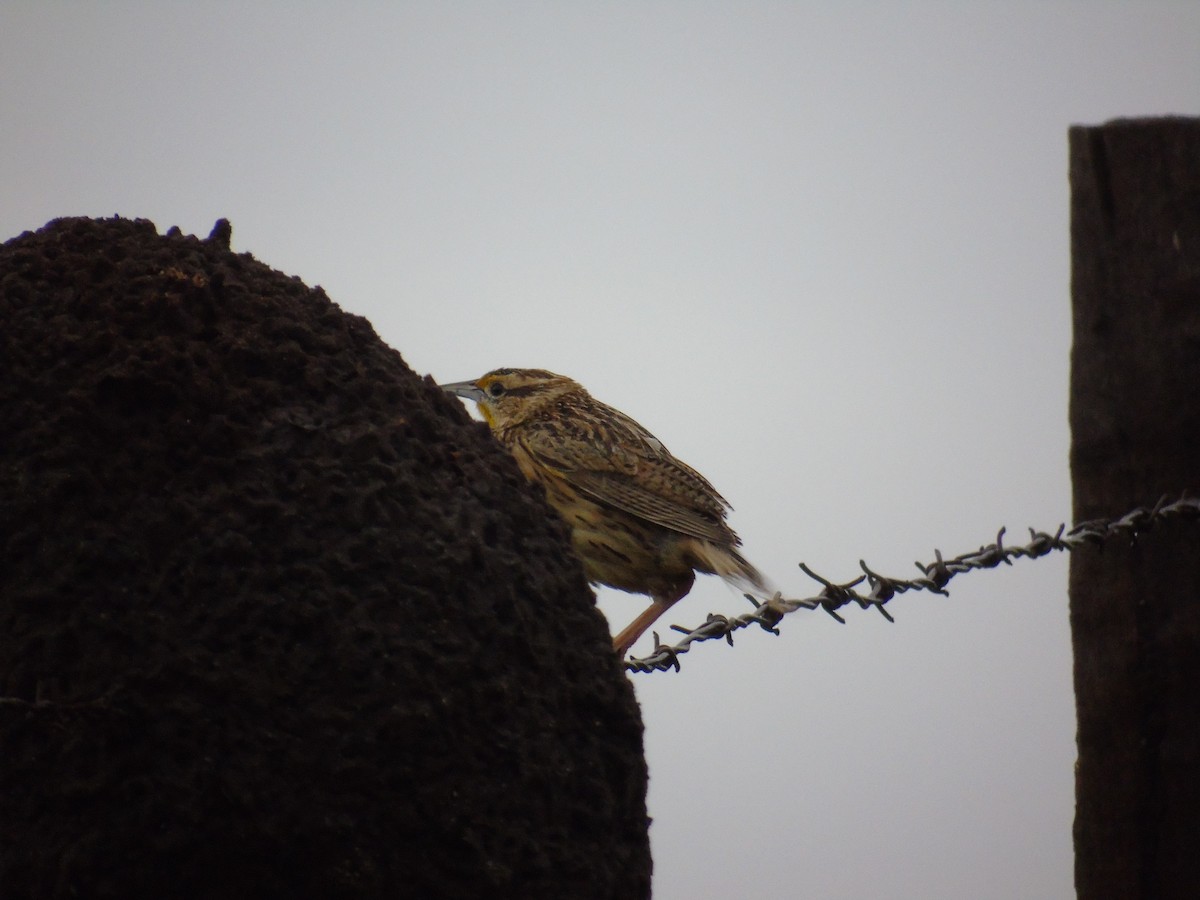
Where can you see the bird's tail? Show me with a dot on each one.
(734, 568)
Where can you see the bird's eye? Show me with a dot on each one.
(496, 389)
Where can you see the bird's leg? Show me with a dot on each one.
(659, 605)
(635, 629)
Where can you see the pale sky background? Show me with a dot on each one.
(820, 249)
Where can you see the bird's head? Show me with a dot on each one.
(509, 396)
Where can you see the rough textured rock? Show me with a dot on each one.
(1135, 424)
(276, 618)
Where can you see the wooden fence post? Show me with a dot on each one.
(1135, 423)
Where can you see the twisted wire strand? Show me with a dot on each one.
(934, 578)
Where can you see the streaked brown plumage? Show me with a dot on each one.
(641, 520)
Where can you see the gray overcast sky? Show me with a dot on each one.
(820, 249)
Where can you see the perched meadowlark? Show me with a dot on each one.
(641, 520)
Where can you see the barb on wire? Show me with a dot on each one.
(934, 578)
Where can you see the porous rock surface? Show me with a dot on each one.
(276, 618)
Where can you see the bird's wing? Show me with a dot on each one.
(614, 461)
(622, 492)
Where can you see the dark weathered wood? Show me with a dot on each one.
(1135, 422)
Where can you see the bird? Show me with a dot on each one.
(641, 520)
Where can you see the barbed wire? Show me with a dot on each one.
(934, 578)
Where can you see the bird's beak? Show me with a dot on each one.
(465, 389)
